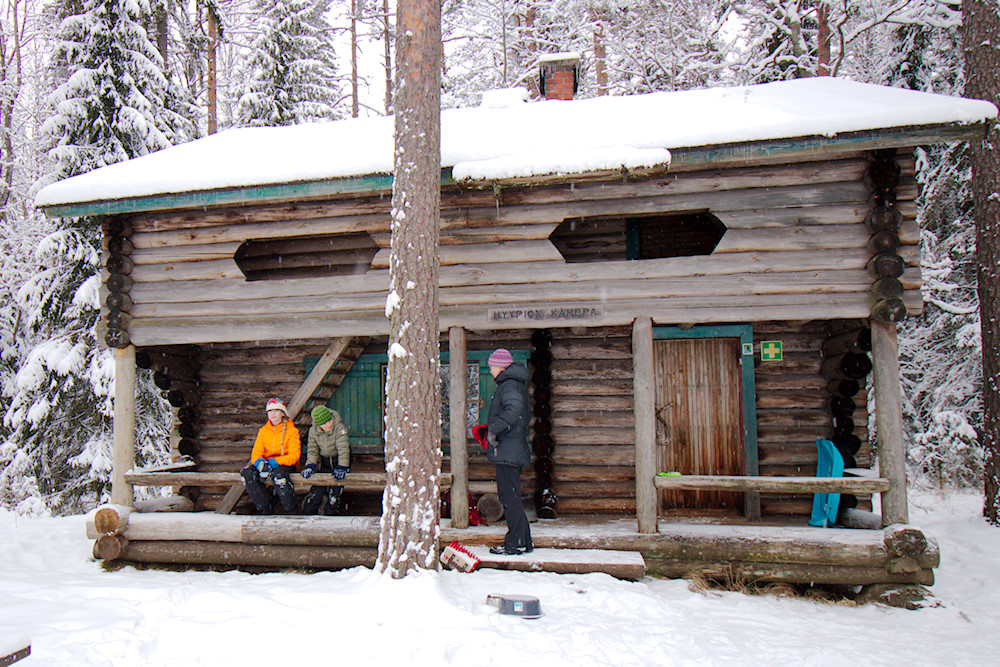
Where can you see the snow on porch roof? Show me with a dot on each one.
(511, 140)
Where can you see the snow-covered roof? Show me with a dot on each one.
(524, 139)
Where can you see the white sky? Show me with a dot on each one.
(525, 138)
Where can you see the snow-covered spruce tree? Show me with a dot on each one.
(940, 349)
(109, 108)
(663, 46)
(291, 70)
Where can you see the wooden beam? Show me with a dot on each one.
(645, 425)
(317, 374)
(354, 480)
(773, 484)
(123, 439)
(889, 420)
(457, 401)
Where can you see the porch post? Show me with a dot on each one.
(889, 421)
(457, 400)
(123, 442)
(645, 424)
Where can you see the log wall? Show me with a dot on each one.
(795, 249)
(592, 419)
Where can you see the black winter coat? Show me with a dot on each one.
(508, 418)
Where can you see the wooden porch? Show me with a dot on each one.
(739, 551)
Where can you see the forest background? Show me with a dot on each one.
(85, 83)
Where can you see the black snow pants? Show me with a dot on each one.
(262, 497)
(509, 489)
(316, 498)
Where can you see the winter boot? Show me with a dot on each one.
(285, 492)
(259, 494)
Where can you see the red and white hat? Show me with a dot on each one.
(276, 404)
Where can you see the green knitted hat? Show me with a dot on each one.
(321, 415)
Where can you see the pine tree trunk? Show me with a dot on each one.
(411, 504)
(981, 25)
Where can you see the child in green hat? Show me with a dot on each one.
(329, 450)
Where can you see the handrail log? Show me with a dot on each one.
(861, 485)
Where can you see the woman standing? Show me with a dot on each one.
(507, 422)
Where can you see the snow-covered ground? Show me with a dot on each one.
(75, 613)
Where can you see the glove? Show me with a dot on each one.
(260, 465)
(340, 472)
(491, 439)
(308, 471)
(479, 433)
(273, 464)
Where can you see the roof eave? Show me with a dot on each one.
(683, 157)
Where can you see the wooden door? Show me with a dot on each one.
(699, 418)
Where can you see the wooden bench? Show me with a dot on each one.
(358, 481)
(746, 483)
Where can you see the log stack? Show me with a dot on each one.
(117, 234)
(846, 364)
(542, 443)
(898, 554)
(884, 221)
(176, 373)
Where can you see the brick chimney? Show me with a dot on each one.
(558, 75)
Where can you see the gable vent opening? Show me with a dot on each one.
(618, 238)
(306, 256)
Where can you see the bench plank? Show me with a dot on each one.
(774, 484)
(373, 481)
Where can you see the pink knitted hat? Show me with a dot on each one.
(501, 358)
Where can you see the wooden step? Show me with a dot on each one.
(620, 564)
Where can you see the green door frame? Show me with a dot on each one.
(747, 388)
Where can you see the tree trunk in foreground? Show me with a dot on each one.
(411, 509)
(981, 26)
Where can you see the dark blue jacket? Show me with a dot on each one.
(508, 418)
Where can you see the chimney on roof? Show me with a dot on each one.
(558, 74)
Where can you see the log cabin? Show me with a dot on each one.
(703, 283)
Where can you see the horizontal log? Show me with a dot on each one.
(110, 547)
(370, 481)
(249, 555)
(784, 573)
(164, 504)
(773, 484)
(517, 251)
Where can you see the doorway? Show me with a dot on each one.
(702, 421)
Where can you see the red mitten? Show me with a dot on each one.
(479, 432)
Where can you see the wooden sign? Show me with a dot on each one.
(545, 313)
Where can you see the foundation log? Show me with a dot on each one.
(785, 572)
(252, 555)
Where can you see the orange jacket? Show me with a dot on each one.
(269, 444)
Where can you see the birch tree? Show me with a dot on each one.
(411, 504)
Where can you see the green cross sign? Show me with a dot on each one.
(770, 350)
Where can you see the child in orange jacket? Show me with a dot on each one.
(275, 454)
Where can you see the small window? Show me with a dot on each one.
(648, 237)
(306, 256)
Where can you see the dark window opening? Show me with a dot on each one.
(647, 237)
(306, 256)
